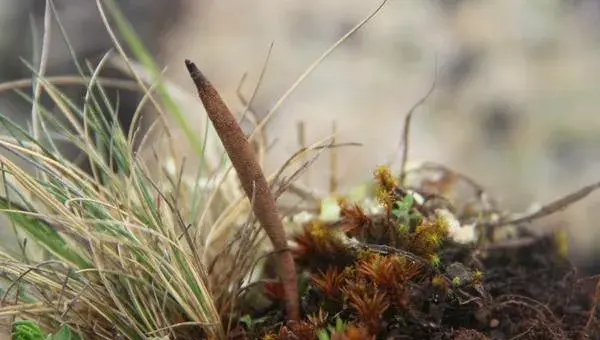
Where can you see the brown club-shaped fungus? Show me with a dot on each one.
(253, 181)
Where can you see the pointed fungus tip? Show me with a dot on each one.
(193, 70)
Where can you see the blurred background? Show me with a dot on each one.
(514, 106)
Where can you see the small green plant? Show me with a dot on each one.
(339, 327)
(27, 330)
(405, 215)
(30, 330)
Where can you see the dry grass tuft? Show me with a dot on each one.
(136, 247)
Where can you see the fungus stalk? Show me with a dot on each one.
(253, 181)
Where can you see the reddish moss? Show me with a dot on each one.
(353, 332)
(330, 282)
(318, 248)
(369, 304)
(297, 330)
(354, 219)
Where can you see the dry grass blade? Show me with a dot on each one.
(301, 130)
(221, 229)
(146, 254)
(120, 84)
(35, 115)
(404, 142)
(286, 184)
(122, 53)
(122, 264)
(313, 66)
(124, 272)
(253, 181)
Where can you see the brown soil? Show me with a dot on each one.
(534, 293)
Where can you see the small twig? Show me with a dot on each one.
(284, 183)
(551, 208)
(305, 166)
(333, 180)
(594, 308)
(480, 191)
(406, 128)
(251, 175)
(384, 249)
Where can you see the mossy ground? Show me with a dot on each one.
(399, 274)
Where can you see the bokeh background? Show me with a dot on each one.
(515, 106)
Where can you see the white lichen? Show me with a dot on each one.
(463, 234)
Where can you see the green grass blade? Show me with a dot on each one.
(145, 58)
(44, 234)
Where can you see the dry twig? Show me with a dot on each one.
(406, 128)
(552, 207)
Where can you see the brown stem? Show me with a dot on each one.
(253, 181)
